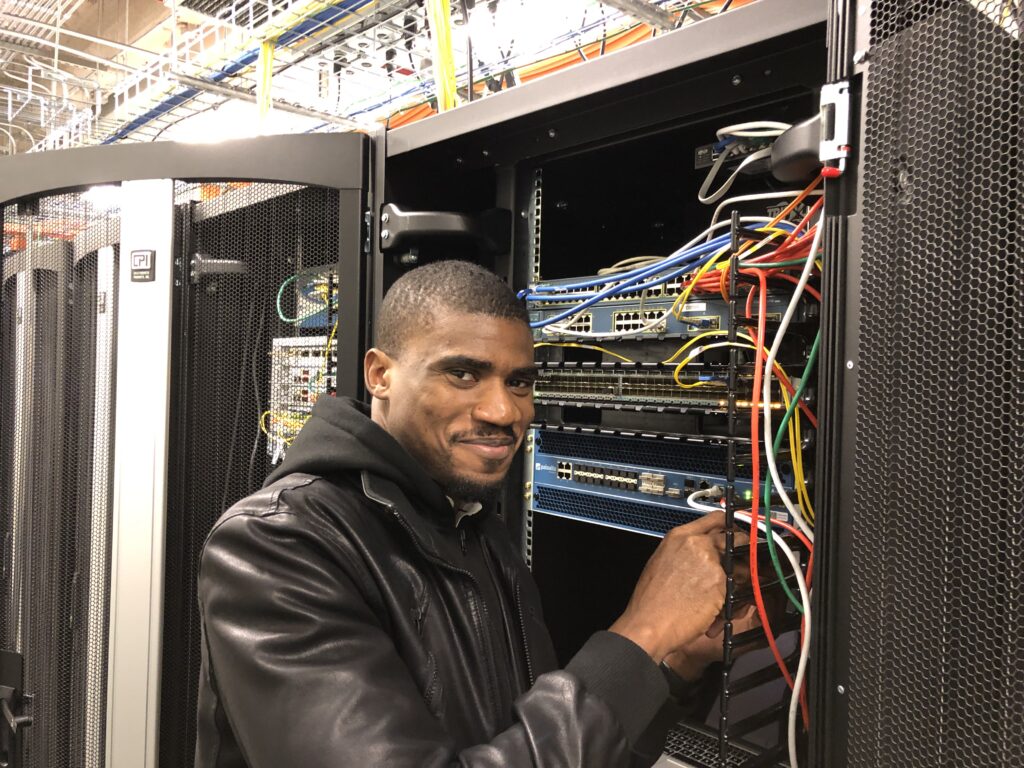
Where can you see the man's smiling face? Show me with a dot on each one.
(459, 398)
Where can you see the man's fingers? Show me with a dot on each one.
(709, 523)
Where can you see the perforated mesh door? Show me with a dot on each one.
(57, 340)
(256, 308)
(936, 643)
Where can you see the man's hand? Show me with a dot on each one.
(691, 661)
(681, 590)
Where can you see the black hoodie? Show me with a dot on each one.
(347, 620)
(340, 437)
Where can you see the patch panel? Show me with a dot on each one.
(624, 315)
(299, 374)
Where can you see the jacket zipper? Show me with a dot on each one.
(480, 635)
(526, 644)
(505, 618)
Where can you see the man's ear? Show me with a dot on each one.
(377, 367)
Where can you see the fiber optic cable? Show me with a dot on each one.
(582, 346)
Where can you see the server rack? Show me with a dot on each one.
(589, 169)
(138, 290)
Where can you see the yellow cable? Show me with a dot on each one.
(799, 468)
(695, 339)
(677, 306)
(700, 351)
(680, 303)
(582, 346)
(779, 372)
(327, 353)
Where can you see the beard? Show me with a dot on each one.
(461, 488)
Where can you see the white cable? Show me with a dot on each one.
(691, 500)
(805, 647)
(564, 329)
(702, 194)
(637, 262)
(758, 129)
(760, 196)
(766, 388)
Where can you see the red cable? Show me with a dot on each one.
(750, 299)
(803, 222)
(755, 580)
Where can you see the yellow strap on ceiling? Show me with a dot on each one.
(439, 12)
(264, 79)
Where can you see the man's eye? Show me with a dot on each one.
(521, 385)
(466, 377)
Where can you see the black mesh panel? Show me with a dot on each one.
(56, 426)
(253, 319)
(936, 649)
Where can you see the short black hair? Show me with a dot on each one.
(459, 286)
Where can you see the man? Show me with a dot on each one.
(363, 609)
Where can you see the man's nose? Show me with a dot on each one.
(496, 405)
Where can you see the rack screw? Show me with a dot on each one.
(384, 234)
(849, 364)
(737, 79)
(841, 690)
(384, 218)
(860, 57)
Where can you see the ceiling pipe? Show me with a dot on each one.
(232, 92)
(644, 11)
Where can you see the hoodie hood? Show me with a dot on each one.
(340, 437)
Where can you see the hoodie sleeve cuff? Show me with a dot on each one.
(622, 674)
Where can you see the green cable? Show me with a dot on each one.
(804, 377)
(280, 312)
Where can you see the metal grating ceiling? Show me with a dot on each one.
(337, 62)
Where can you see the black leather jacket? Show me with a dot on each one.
(343, 627)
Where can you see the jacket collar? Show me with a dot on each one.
(436, 538)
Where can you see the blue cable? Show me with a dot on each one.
(611, 292)
(669, 261)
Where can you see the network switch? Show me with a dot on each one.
(600, 478)
(639, 385)
(635, 316)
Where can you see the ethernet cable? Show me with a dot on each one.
(732, 137)
(718, 194)
(804, 377)
(756, 129)
(550, 326)
(766, 385)
(688, 252)
(280, 311)
(805, 600)
(583, 346)
(805, 640)
(781, 195)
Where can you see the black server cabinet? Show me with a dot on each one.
(919, 659)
